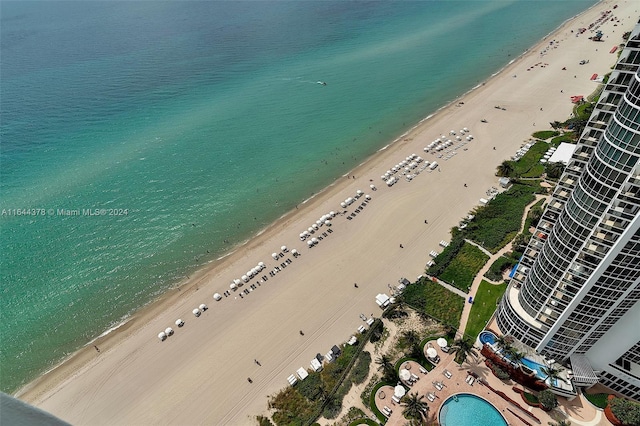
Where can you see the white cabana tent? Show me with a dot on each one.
(196, 312)
(382, 300)
(284, 248)
(179, 322)
(162, 336)
(217, 296)
(432, 353)
(203, 307)
(275, 256)
(405, 374)
(399, 391)
(168, 331)
(316, 365)
(302, 373)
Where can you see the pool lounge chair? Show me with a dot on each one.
(438, 385)
(431, 397)
(414, 377)
(423, 370)
(395, 399)
(470, 380)
(447, 374)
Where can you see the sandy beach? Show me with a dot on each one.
(199, 375)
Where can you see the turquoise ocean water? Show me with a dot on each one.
(205, 122)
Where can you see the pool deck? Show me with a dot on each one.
(579, 412)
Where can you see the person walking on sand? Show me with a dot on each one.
(97, 348)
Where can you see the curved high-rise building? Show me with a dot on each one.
(574, 296)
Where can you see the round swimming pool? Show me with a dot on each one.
(487, 337)
(465, 409)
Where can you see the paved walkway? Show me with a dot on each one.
(449, 287)
(492, 258)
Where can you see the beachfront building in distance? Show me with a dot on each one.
(574, 295)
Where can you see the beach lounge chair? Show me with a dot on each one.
(447, 374)
(387, 409)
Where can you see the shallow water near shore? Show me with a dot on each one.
(151, 137)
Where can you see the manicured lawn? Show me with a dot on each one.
(497, 222)
(434, 300)
(484, 304)
(464, 267)
(545, 134)
(598, 399)
(568, 137)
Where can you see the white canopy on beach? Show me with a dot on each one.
(294, 251)
(196, 312)
(168, 331)
(432, 353)
(217, 296)
(203, 307)
(233, 286)
(274, 255)
(283, 248)
(399, 391)
(179, 322)
(405, 374)
(310, 243)
(162, 335)
(245, 278)
(442, 342)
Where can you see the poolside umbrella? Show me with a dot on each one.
(431, 353)
(168, 331)
(405, 374)
(442, 342)
(162, 336)
(399, 391)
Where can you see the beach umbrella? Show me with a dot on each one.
(431, 353)
(168, 331)
(399, 391)
(162, 336)
(196, 312)
(203, 307)
(261, 265)
(318, 222)
(283, 248)
(302, 235)
(310, 243)
(294, 251)
(368, 197)
(217, 296)
(232, 286)
(343, 204)
(315, 240)
(359, 192)
(179, 322)
(372, 186)
(332, 213)
(237, 281)
(466, 130)
(405, 374)
(274, 255)
(245, 278)
(442, 342)
(314, 226)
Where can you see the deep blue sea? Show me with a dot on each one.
(200, 122)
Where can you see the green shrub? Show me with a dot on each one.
(499, 219)
(498, 267)
(360, 370)
(628, 412)
(463, 268)
(435, 301)
(263, 421)
(448, 254)
(545, 134)
(500, 373)
(568, 137)
(548, 399)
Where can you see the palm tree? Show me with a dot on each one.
(414, 407)
(463, 348)
(505, 168)
(515, 356)
(550, 373)
(554, 170)
(386, 366)
(504, 342)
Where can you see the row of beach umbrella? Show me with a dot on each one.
(444, 141)
(168, 332)
(325, 219)
(409, 163)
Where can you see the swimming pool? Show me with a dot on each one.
(465, 409)
(487, 337)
